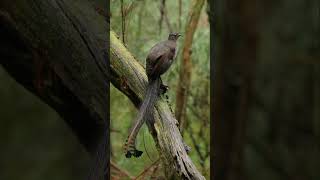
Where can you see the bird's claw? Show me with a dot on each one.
(163, 88)
(136, 153)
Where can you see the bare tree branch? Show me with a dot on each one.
(118, 172)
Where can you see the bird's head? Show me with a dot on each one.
(174, 36)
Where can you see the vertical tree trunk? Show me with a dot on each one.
(186, 65)
(235, 62)
(180, 13)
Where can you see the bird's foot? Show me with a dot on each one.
(163, 88)
(186, 147)
(134, 152)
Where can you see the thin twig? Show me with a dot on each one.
(162, 7)
(129, 8)
(123, 22)
(180, 13)
(146, 170)
(167, 20)
(164, 15)
(119, 171)
(195, 142)
(186, 63)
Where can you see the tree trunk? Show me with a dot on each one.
(58, 51)
(234, 67)
(186, 64)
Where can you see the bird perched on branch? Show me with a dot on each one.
(158, 62)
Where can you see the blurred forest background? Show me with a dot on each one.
(140, 24)
(35, 142)
(266, 121)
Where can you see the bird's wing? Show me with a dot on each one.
(156, 51)
(158, 66)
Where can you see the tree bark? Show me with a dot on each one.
(186, 64)
(236, 50)
(57, 49)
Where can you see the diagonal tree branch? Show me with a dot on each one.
(57, 49)
(186, 64)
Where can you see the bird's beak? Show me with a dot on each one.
(179, 35)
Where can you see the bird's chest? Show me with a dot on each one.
(173, 53)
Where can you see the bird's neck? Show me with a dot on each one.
(174, 40)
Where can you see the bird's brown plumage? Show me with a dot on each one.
(158, 61)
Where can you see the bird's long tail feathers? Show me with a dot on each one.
(145, 112)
